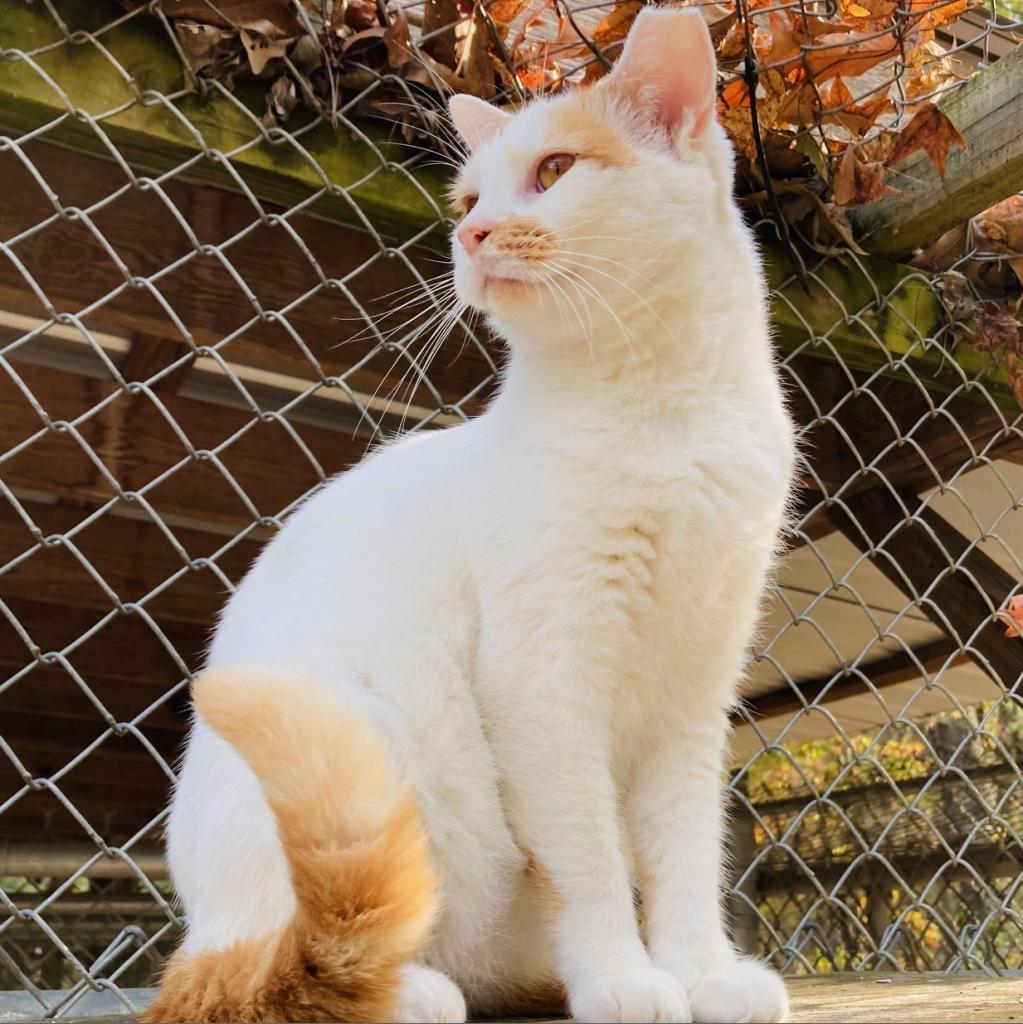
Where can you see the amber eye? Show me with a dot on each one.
(551, 168)
(468, 202)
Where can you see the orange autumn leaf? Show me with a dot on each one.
(504, 12)
(1012, 616)
(780, 42)
(735, 94)
(535, 74)
(931, 14)
(841, 53)
(617, 24)
(836, 94)
(931, 131)
(840, 107)
(930, 68)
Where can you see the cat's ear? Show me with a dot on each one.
(668, 70)
(476, 120)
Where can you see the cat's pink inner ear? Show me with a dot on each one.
(476, 120)
(668, 70)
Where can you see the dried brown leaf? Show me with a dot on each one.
(931, 131)
(260, 50)
(281, 100)
(857, 182)
(1002, 225)
(997, 329)
(848, 54)
(273, 18)
(438, 30)
(358, 15)
(398, 41)
(210, 50)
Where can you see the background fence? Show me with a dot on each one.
(215, 268)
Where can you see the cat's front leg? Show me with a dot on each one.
(676, 819)
(554, 751)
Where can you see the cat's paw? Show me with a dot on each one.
(642, 995)
(428, 997)
(745, 992)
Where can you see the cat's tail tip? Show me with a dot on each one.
(356, 845)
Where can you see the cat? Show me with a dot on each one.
(479, 685)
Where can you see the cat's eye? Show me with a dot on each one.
(552, 168)
(467, 203)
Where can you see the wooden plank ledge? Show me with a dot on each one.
(988, 112)
(903, 998)
(823, 999)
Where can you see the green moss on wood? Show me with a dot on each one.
(74, 81)
(874, 314)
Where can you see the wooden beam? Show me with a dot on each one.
(132, 557)
(851, 681)
(876, 316)
(236, 293)
(988, 113)
(126, 650)
(884, 432)
(160, 137)
(133, 439)
(151, 357)
(957, 586)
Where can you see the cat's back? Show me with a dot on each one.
(372, 545)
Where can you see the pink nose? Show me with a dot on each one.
(472, 235)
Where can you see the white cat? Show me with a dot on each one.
(521, 636)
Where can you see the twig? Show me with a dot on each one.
(560, 7)
(751, 76)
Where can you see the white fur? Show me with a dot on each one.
(546, 610)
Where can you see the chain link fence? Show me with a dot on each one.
(220, 282)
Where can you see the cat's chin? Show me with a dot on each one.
(493, 291)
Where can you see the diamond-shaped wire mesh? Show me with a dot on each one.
(203, 314)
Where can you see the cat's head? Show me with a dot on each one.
(583, 210)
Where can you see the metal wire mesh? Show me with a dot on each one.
(203, 314)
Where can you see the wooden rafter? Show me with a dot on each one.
(852, 682)
(955, 583)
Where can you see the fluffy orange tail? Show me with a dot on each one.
(359, 861)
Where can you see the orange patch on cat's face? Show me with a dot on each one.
(582, 127)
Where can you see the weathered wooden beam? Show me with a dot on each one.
(132, 557)
(988, 113)
(75, 85)
(136, 441)
(875, 315)
(62, 859)
(285, 317)
(849, 998)
(956, 585)
(886, 432)
(851, 682)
